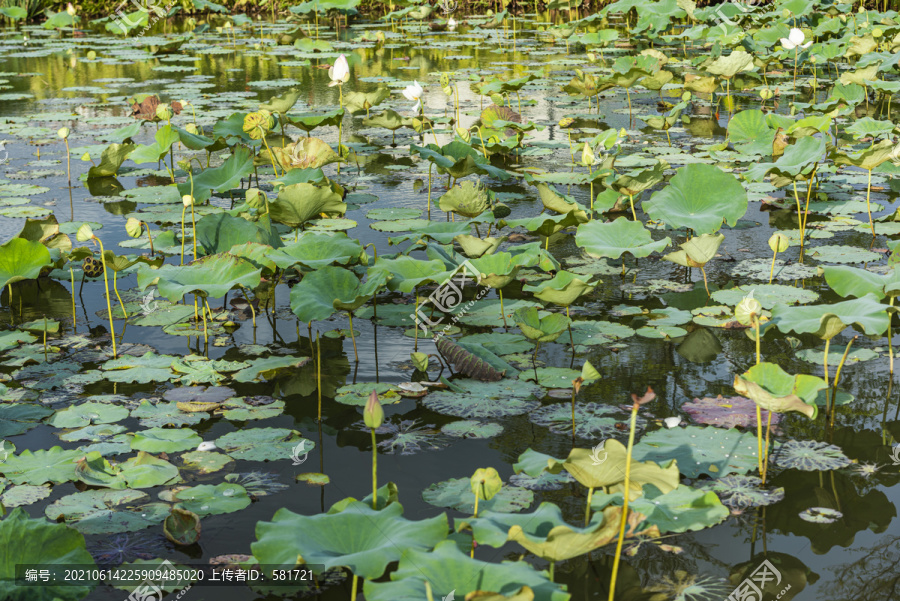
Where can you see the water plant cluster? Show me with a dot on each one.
(579, 300)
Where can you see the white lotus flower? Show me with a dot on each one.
(414, 92)
(206, 446)
(672, 422)
(451, 24)
(339, 72)
(794, 40)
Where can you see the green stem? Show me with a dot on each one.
(353, 336)
(624, 520)
(837, 377)
(116, 288)
(354, 588)
(75, 320)
(374, 471)
(587, 507)
(868, 206)
(112, 328)
(890, 334)
(319, 372)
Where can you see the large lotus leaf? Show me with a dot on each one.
(207, 499)
(361, 102)
(583, 466)
(141, 471)
(870, 158)
(809, 455)
(269, 368)
(727, 66)
(741, 492)
(223, 178)
(709, 450)
(469, 199)
(458, 160)
(37, 542)
(544, 532)
(192, 141)
(827, 321)
(475, 247)
(496, 270)
(405, 273)
(750, 133)
(700, 197)
(678, 510)
(544, 225)
(18, 418)
(283, 103)
(317, 249)
(78, 416)
(149, 367)
(852, 281)
(697, 251)
(320, 293)
(635, 182)
(262, 444)
(359, 537)
(106, 511)
(220, 232)
(559, 203)
(448, 570)
(212, 276)
(152, 153)
(165, 440)
(457, 494)
(768, 295)
(389, 119)
(775, 390)
(798, 160)
(53, 465)
(306, 153)
(21, 259)
(614, 239)
(592, 420)
(562, 289)
(479, 400)
(298, 203)
(111, 159)
(541, 326)
(309, 121)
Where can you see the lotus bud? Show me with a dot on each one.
(84, 233)
(746, 309)
(779, 242)
(373, 414)
(566, 122)
(813, 59)
(164, 112)
(63, 133)
(206, 445)
(255, 198)
(70, 10)
(587, 155)
(187, 200)
(766, 93)
(464, 133)
(133, 227)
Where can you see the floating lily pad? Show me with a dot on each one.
(107, 511)
(207, 499)
(809, 455)
(768, 295)
(262, 444)
(592, 420)
(740, 492)
(480, 400)
(165, 440)
(457, 494)
(821, 515)
(711, 451)
(472, 429)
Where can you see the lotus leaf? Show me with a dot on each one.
(468, 199)
(776, 391)
(700, 197)
(212, 276)
(142, 471)
(262, 444)
(167, 440)
(540, 328)
(711, 451)
(479, 400)
(809, 455)
(207, 499)
(107, 511)
(827, 321)
(457, 494)
(53, 465)
(331, 289)
(614, 239)
(742, 492)
(78, 416)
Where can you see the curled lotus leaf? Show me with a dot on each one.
(306, 153)
(562, 289)
(827, 321)
(776, 391)
(329, 289)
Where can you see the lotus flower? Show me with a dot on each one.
(794, 40)
(339, 72)
(451, 24)
(414, 92)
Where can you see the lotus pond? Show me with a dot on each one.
(589, 304)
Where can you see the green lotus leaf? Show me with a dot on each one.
(111, 159)
(809, 455)
(21, 259)
(496, 270)
(868, 159)
(283, 103)
(827, 321)
(165, 440)
(480, 400)
(389, 119)
(855, 282)
(559, 203)
(540, 328)
(220, 232)
(697, 251)
(680, 510)
(700, 197)
(475, 247)
(191, 141)
(360, 538)
(321, 293)
(269, 368)
(14, 13)
(107, 511)
(238, 410)
(457, 494)
(78, 416)
(798, 160)
(635, 182)
(614, 239)
(38, 542)
(768, 295)
(226, 177)
(262, 444)
(166, 136)
(562, 289)
(207, 499)
(213, 276)
(775, 390)
(149, 367)
(361, 102)
(298, 203)
(182, 527)
(305, 153)
(582, 464)
(713, 451)
(727, 66)
(309, 121)
(544, 225)
(469, 199)
(458, 160)
(448, 570)
(53, 465)
(142, 471)
(405, 273)
(18, 418)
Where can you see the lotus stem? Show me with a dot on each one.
(45, 340)
(837, 377)
(116, 288)
(759, 451)
(430, 165)
(68, 162)
(890, 333)
(416, 332)
(183, 209)
(108, 304)
(552, 565)
(765, 471)
(868, 206)
(428, 594)
(705, 284)
(772, 271)
(624, 520)
(571, 339)
(202, 314)
(75, 320)
(353, 337)
(825, 359)
(631, 201)
(537, 345)
(353, 589)
(374, 471)
(573, 417)
(318, 372)
(502, 311)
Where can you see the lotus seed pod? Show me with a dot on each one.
(63, 133)
(766, 93)
(133, 227)
(373, 414)
(187, 200)
(877, 32)
(779, 242)
(747, 307)
(84, 233)
(164, 112)
(566, 122)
